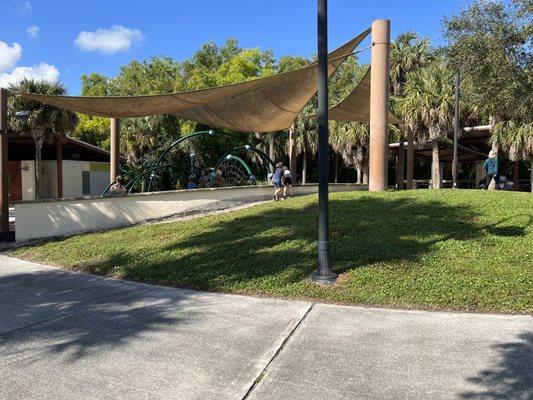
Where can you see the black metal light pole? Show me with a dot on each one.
(323, 274)
(455, 130)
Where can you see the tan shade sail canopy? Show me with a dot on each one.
(356, 106)
(261, 105)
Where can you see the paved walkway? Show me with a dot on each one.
(72, 336)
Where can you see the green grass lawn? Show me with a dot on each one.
(455, 250)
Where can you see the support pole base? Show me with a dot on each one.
(320, 278)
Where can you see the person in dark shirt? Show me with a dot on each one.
(491, 168)
(276, 181)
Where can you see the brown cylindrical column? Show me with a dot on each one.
(379, 105)
(410, 158)
(4, 188)
(114, 167)
(292, 151)
(59, 168)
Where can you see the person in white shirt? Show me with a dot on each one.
(287, 182)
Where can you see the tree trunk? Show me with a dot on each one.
(271, 148)
(38, 189)
(516, 173)
(336, 167)
(435, 166)
(365, 173)
(59, 168)
(410, 158)
(304, 166)
(359, 173)
(292, 151)
(531, 175)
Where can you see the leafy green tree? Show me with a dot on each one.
(427, 106)
(45, 123)
(94, 85)
(490, 42)
(93, 130)
(345, 79)
(248, 64)
(290, 63)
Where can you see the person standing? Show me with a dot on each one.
(491, 169)
(276, 181)
(287, 182)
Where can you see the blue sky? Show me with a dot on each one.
(64, 39)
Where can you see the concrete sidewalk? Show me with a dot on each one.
(66, 336)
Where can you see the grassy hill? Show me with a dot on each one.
(458, 250)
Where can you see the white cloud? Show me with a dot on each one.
(24, 6)
(109, 41)
(40, 71)
(32, 31)
(9, 55)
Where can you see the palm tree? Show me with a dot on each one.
(45, 123)
(351, 140)
(306, 136)
(517, 140)
(408, 53)
(427, 106)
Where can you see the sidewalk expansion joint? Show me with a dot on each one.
(277, 353)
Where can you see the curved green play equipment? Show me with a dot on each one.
(235, 168)
(247, 148)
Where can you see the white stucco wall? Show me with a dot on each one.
(44, 219)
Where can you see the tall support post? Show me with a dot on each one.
(4, 188)
(59, 168)
(379, 105)
(455, 160)
(323, 274)
(516, 175)
(271, 154)
(292, 151)
(114, 166)
(410, 158)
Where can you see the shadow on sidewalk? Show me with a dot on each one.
(106, 314)
(511, 377)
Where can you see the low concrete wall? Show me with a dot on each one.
(43, 219)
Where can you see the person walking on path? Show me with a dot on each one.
(276, 180)
(287, 182)
(491, 168)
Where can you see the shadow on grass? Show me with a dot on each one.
(511, 377)
(505, 227)
(279, 245)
